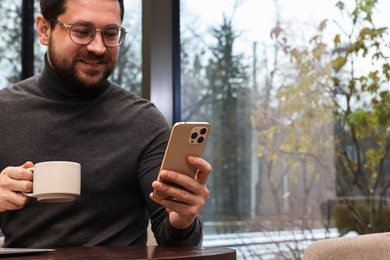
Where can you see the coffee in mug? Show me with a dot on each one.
(56, 181)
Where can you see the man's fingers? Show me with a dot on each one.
(204, 169)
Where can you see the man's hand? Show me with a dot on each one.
(185, 204)
(14, 181)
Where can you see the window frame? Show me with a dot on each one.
(161, 56)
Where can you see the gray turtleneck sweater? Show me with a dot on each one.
(119, 140)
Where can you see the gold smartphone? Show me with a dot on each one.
(186, 138)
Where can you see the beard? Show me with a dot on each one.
(66, 67)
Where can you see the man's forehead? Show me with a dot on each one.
(91, 11)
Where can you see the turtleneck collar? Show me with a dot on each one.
(58, 88)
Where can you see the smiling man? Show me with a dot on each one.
(74, 51)
(72, 112)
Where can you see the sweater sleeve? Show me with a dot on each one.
(167, 235)
(191, 236)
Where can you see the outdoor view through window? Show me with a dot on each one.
(297, 95)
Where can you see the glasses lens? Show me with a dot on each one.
(113, 35)
(82, 33)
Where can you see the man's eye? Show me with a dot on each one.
(111, 33)
(81, 32)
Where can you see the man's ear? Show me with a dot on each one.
(43, 29)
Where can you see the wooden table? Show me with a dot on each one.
(131, 252)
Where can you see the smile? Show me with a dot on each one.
(91, 62)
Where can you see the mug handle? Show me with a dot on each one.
(29, 194)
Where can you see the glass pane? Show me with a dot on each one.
(299, 106)
(128, 73)
(10, 44)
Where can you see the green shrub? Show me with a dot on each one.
(362, 218)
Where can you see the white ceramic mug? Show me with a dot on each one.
(56, 181)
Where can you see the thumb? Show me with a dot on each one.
(27, 165)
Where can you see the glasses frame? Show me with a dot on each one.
(68, 27)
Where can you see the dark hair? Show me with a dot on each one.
(51, 9)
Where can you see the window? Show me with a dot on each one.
(128, 72)
(298, 101)
(10, 44)
(277, 82)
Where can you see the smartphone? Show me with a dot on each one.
(186, 138)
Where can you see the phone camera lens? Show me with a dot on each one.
(194, 135)
(200, 139)
(203, 131)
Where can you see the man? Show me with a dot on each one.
(72, 112)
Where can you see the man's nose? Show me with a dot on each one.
(97, 44)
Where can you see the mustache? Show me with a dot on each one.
(92, 56)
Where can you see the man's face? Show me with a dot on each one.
(87, 65)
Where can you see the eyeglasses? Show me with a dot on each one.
(84, 33)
